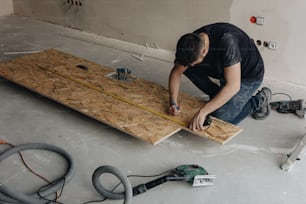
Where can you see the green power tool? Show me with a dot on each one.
(194, 174)
(191, 173)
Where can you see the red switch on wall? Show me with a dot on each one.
(253, 19)
(257, 20)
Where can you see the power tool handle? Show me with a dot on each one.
(144, 187)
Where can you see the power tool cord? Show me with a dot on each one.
(100, 170)
(126, 195)
(281, 93)
(57, 196)
(11, 196)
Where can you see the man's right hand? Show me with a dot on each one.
(174, 86)
(174, 110)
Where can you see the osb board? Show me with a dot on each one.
(132, 120)
(84, 90)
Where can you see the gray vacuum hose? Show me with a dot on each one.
(127, 195)
(11, 196)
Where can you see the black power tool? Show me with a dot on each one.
(291, 106)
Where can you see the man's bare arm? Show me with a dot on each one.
(174, 87)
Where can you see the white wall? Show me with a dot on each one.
(284, 24)
(6, 7)
(164, 21)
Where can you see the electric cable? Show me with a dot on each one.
(31, 170)
(126, 195)
(12, 196)
(57, 195)
(281, 93)
(150, 176)
(97, 174)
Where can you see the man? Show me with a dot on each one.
(224, 52)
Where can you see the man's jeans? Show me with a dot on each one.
(239, 106)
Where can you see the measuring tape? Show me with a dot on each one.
(101, 90)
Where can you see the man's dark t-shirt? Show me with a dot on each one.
(228, 46)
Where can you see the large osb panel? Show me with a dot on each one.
(138, 108)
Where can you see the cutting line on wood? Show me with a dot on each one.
(101, 90)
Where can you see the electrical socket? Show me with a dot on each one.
(74, 3)
(272, 45)
(259, 20)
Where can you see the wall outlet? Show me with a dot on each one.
(272, 45)
(259, 20)
(74, 3)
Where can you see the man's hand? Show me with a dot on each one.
(232, 77)
(197, 122)
(174, 86)
(174, 110)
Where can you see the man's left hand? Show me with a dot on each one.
(197, 122)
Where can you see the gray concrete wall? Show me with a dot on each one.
(163, 22)
(6, 7)
(141, 22)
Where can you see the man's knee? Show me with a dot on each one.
(224, 115)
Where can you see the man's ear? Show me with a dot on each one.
(204, 52)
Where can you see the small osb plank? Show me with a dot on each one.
(219, 130)
(55, 75)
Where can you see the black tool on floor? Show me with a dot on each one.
(291, 106)
(123, 73)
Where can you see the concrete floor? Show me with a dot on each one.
(247, 167)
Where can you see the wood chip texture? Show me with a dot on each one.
(138, 108)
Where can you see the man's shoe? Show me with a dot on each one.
(264, 109)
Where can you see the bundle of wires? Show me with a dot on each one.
(40, 197)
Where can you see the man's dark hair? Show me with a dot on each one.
(188, 49)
